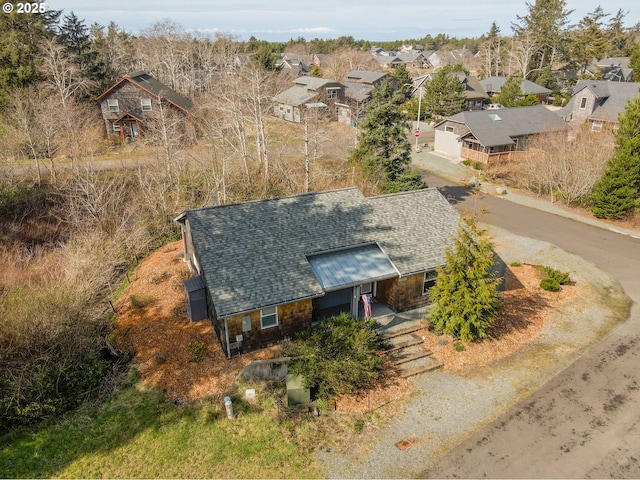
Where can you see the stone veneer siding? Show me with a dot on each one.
(292, 318)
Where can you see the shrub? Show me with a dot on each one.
(515, 264)
(550, 284)
(197, 351)
(561, 277)
(339, 356)
(49, 354)
(459, 347)
(140, 300)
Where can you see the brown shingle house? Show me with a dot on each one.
(270, 268)
(136, 102)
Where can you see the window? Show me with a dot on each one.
(583, 103)
(269, 317)
(596, 126)
(366, 288)
(448, 129)
(429, 281)
(146, 104)
(113, 105)
(116, 127)
(332, 93)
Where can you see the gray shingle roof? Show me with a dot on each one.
(158, 88)
(253, 255)
(494, 84)
(364, 76)
(295, 96)
(498, 127)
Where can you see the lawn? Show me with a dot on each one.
(138, 434)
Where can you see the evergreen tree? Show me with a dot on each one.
(74, 35)
(510, 92)
(634, 61)
(615, 195)
(465, 296)
(19, 53)
(403, 79)
(444, 94)
(384, 151)
(590, 41)
(619, 38)
(546, 20)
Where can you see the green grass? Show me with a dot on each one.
(137, 434)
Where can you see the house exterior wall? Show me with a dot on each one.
(581, 115)
(129, 97)
(404, 293)
(292, 318)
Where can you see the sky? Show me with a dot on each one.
(281, 20)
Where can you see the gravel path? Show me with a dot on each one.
(447, 408)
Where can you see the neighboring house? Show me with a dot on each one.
(308, 92)
(473, 91)
(292, 66)
(485, 135)
(388, 61)
(414, 60)
(271, 268)
(359, 88)
(409, 59)
(460, 56)
(492, 86)
(136, 102)
(598, 102)
(612, 69)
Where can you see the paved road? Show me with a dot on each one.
(584, 423)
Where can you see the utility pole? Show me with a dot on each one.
(417, 132)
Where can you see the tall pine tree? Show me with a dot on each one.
(444, 94)
(384, 151)
(465, 296)
(615, 195)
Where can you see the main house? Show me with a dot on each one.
(599, 102)
(270, 268)
(136, 102)
(484, 134)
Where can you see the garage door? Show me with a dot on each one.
(447, 143)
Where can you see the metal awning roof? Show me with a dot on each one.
(351, 266)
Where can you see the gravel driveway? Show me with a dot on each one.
(447, 408)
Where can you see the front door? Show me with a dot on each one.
(134, 129)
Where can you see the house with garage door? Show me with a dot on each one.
(483, 135)
(268, 269)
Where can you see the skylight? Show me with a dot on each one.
(495, 117)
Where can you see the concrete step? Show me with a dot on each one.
(411, 369)
(400, 343)
(389, 334)
(411, 357)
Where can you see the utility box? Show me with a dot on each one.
(196, 299)
(296, 393)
